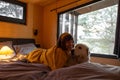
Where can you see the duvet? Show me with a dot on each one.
(34, 71)
(86, 71)
(23, 71)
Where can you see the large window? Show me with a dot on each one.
(12, 11)
(93, 25)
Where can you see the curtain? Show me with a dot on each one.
(69, 23)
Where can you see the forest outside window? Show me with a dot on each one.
(13, 11)
(94, 25)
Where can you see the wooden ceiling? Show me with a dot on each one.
(39, 2)
(98, 5)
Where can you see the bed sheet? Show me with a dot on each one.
(34, 71)
(23, 71)
(86, 71)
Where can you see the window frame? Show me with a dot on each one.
(116, 48)
(15, 20)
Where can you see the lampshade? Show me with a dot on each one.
(6, 52)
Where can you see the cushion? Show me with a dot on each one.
(6, 50)
(24, 48)
(22, 51)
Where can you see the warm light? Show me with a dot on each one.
(6, 53)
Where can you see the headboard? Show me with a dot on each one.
(17, 41)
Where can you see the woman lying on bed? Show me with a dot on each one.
(57, 56)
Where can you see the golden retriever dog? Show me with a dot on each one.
(80, 54)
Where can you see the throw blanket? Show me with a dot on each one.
(54, 57)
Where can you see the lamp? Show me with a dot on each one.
(6, 53)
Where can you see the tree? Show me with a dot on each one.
(99, 29)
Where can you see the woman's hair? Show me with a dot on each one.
(63, 39)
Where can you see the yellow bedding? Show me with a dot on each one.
(54, 57)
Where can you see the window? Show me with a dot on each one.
(93, 25)
(13, 11)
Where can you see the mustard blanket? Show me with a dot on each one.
(54, 57)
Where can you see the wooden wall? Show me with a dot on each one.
(34, 21)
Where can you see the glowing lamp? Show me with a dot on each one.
(6, 53)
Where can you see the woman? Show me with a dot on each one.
(57, 56)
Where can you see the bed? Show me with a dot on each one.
(16, 68)
(86, 71)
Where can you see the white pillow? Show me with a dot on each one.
(24, 48)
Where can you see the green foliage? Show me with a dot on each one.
(98, 29)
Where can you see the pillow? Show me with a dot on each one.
(24, 49)
(6, 50)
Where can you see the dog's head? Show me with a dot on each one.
(82, 52)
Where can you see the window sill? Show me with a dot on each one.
(104, 56)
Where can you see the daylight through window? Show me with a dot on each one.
(11, 10)
(93, 25)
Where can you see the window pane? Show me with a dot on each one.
(97, 29)
(93, 25)
(11, 10)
